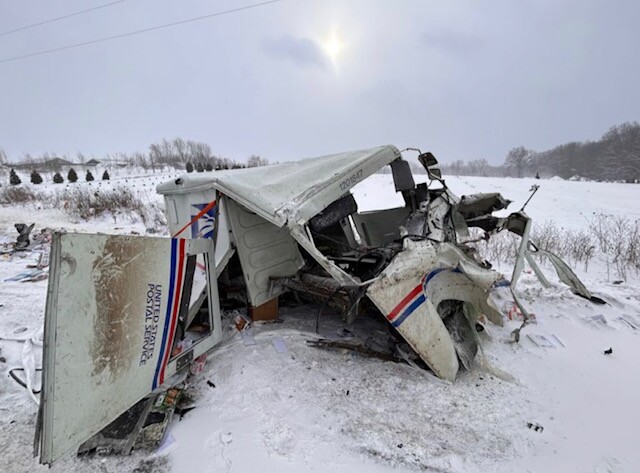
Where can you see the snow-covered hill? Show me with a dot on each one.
(313, 410)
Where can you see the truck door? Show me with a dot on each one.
(114, 307)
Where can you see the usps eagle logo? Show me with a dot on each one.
(205, 225)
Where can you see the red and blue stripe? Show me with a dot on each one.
(173, 304)
(414, 299)
(407, 306)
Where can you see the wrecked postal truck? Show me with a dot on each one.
(126, 316)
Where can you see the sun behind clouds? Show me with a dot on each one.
(333, 46)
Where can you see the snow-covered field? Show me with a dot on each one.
(314, 410)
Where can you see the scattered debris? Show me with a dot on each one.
(535, 427)
(609, 351)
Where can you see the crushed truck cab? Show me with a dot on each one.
(126, 315)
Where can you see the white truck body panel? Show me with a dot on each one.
(112, 308)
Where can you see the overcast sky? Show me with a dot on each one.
(464, 79)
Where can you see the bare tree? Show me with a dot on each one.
(256, 161)
(3, 163)
(181, 150)
(519, 159)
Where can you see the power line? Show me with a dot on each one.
(52, 20)
(137, 32)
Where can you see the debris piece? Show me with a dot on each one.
(24, 275)
(247, 337)
(558, 340)
(609, 351)
(265, 312)
(169, 399)
(20, 330)
(541, 340)
(598, 319)
(630, 322)
(535, 427)
(619, 281)
(43, 237)
(239, 322)
(280, 345)
(515, 313)
(226, 437)
(197, 365)
(210, 384)
(18, 379)
(357, 347)
(182, 411)
(23, 237)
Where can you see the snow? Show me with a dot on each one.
(308, 409)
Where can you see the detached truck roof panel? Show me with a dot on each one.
(293, 191)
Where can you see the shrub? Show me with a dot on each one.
(105, 175)
(16, 195)
(72, 176)
(189, 167)
(14, 180)
(89, 176)
(36, 178)
(208, 167)
(199, 167)
(57, 178)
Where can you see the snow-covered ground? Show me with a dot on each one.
(314, 410)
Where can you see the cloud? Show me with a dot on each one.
(453, 42)
(303, 52)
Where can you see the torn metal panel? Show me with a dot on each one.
(400, 297)
(565, 273)
(343, 298)
(265, 251)
(128, 291)
(461, 331)
(477, 205)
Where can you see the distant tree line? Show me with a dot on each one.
(176, 153)
(614, 157)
